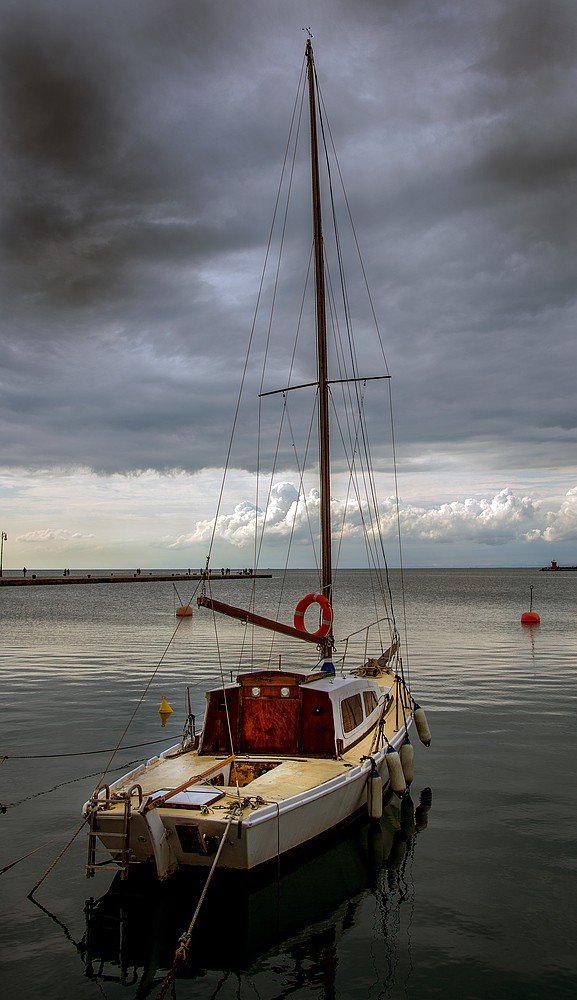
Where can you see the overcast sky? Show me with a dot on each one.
(142, 144)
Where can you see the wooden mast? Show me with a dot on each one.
(325, 486)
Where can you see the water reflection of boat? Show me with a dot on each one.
(132, 930)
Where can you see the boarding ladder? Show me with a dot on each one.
(122, 860)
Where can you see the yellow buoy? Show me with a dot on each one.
(165, 711)
(184, 612)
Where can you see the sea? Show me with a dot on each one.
(466, 889)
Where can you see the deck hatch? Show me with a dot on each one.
(192, 798)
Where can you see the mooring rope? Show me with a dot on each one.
(46, 791)
(57, 859)
(78, 753)
(181, 954)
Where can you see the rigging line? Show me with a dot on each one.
(395, 475)
(227, 713)
(270, 486)
(322, 103)
(301, 492)
(72, 781)
(353, 478)
(360, 423)
(273, 302)
(372, 482)
(252, 331)
(79, 753)
(346, 305)
(30, 853)
(345, 300)
(353, 444)
(291, 366)
(353, 440)
(290, 371)
(259, 538)
(370, 542)
(142, 697)
(373, 491)
(369, 536)
(346, 638)
(348, 321)
(300, 471)
(301, 477)
(57, 858)
(301, 484)
(283, 230)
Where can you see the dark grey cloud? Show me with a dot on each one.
(142, 144)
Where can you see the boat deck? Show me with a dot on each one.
(290, 776)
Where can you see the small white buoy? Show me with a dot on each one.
(396, 776)
(422, 725)
(407, 758)
(375, 795)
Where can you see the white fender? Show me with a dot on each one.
(396, 776)
(375, 796)
(165, 862)
(407, 757)
(422, 726)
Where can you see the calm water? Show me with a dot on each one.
(477, 901)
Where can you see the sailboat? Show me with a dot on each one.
(287, 754)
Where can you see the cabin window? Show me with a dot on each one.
(371, 701)
(352, 712)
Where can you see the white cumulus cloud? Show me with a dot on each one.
(562, 524)
(498, 520)
(51, 535)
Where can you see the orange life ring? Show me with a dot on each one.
(327, 611)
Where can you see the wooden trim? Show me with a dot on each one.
(249, 617)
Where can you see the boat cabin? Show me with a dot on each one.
(277, 711)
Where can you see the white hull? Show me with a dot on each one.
(169, 837)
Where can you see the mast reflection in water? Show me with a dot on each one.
(133, 930)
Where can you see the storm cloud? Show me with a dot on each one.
(142, 145)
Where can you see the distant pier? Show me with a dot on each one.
(554, 568)
(34, 580)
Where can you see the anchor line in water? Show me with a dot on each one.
(46, 791)
(80, 753)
